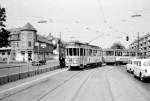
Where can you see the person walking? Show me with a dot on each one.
(61, 62)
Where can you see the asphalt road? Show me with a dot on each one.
(107, 83)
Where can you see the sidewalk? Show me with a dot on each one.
(14, 87)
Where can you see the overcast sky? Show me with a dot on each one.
(102, 22)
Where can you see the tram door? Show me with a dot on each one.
(82, 56)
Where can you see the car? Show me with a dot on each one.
(38, 62)
(43, 62)
(142, 69)
(130, 65)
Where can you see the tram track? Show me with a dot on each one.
(74, 98)
(108, 83)
(59, 85)
(81, 86)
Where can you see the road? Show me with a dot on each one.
(15, 68)
(107, 83)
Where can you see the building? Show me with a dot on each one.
(27, 45)
(59, 46)
(142, 46)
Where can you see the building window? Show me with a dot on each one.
(29, 44)
(30, 35)
(8, 53)
(17, 44)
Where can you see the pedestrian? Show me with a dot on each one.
(61, 62)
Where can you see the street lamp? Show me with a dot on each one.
(136, 15)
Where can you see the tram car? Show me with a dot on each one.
(81, 55)
(118, 56)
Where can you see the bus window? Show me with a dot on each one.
(70, 52)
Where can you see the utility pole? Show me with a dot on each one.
(138, 39)
(59, 43)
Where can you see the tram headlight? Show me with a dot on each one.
(75, 61)
(67, 61)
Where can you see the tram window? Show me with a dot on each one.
(109, 53)
(81, 51)
(70, 52)
(67, 52)
(118, 53)
(74, 51)
(77, 51)
(94, 52)
(90, 52)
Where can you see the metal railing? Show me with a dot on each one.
(13, 72)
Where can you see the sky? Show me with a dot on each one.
(100, 22)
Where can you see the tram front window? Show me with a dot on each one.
(76, 51)
(70, 52)
(73, 51)
(81, 51)
(109, 53)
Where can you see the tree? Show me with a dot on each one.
(117, 46)
(4, 34)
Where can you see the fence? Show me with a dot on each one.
(13, 72)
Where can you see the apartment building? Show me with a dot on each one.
(142, 46)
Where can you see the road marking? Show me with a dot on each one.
(30, 82)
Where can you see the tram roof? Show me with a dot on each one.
(129, 50)
(83, 44)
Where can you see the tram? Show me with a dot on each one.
(118, 56)
(81, 55)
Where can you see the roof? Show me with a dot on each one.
(127, 50)
(28, 27)
(83, 44)
(15, 30)
(43, 39)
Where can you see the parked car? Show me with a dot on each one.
(43, 62)
(130, 65)
(142, 69)
(38, 62)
